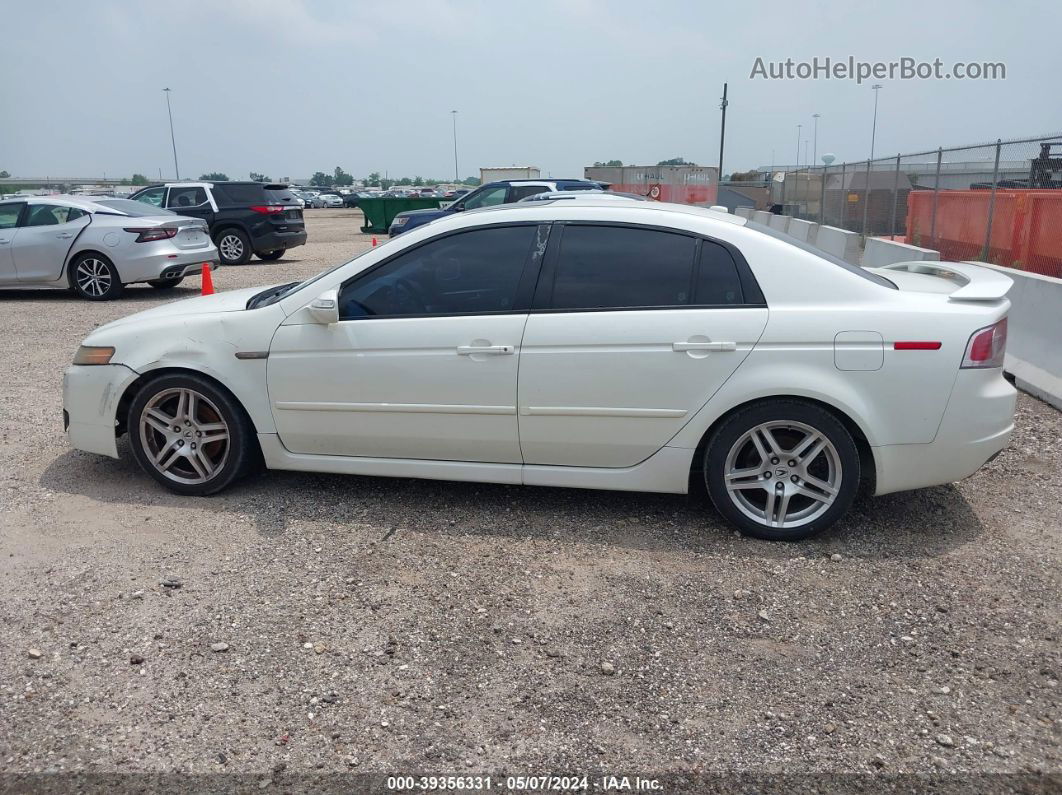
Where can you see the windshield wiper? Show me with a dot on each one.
(270, 296)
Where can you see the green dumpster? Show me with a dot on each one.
(379, 213)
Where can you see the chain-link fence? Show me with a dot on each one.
(999, 202)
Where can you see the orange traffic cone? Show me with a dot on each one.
(374, 242)
(208, 281)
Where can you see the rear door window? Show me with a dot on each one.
(186, 197)
(616, 267)
(517, 192)
(46, 215)
(717, 283)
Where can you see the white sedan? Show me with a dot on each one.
(586, 343)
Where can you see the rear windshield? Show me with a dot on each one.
(132, 208)
(818, 252)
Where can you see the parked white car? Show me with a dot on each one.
(327, 200)
(655, 344)
(95, 246)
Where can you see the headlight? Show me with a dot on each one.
(399, 221)
(93, 354)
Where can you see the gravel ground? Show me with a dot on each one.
(324, 623)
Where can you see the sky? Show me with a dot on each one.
(290, 87)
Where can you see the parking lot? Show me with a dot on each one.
(303, 622)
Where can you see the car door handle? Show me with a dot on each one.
(5, 241)
(704, 346)
(65, 235)
(490, 350)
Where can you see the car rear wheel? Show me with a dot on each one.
(782, 470)
(94, 277)
(166, 284)
(269, 256)
(234, 247)
(189, 435)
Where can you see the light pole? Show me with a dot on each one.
(815, 138)
(722, 131)
(799, 126)
(457, 177)
(873, 134)
(173, 141)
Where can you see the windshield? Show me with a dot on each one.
(273, 294)
(132, 208)
(818, 252)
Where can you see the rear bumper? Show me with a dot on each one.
(977, 425)
(164, 264)
(272, 240)
(90, 405)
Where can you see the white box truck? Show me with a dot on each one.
(508, 172)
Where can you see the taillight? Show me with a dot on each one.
(986, 346)
(269, 209)
(146, 235)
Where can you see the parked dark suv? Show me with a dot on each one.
(245, 218)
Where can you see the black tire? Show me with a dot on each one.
(184, 471)
(269, 256)
(778, 481)
(234, 247)
(93, 277)
(166, 284)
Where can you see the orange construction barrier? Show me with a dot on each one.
(1026, 227)
(208, 280)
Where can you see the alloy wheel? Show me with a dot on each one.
(231, 247)
(783, 474)
(184, 435)
(93, 277)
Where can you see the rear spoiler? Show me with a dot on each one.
(975, 283)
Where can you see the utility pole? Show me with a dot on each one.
(799, 126)
(815, 145)
(457, 176)
(173, 141)
(873, 134)
(722, 131)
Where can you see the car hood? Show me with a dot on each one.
(430, 212)
(229, 301)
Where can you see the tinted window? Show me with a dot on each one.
(476, 271)
(615, 267)
(239, 194)
(186, 197)
(46, 215)
(518, 192)
(73, 213)
(9, 215)
(717, 277)
(279, 194)
(487, 197)
(152, 196)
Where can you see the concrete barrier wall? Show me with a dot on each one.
(803, 230)
(780, 222)
(744, 212)
(1034, 329)
(762, 217)
(880, 251)
(839, 242)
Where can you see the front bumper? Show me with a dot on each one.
(90, 405)
(976, 426)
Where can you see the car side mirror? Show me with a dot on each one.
(325, 308)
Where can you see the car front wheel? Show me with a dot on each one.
(782, 470)
(189, 435)
(234, 247)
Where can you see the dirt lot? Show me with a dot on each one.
(414, 626)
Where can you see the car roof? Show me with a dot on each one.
(618, 203)
(88, 203)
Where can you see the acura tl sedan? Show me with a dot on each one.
(95, 246)
(584, 343)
